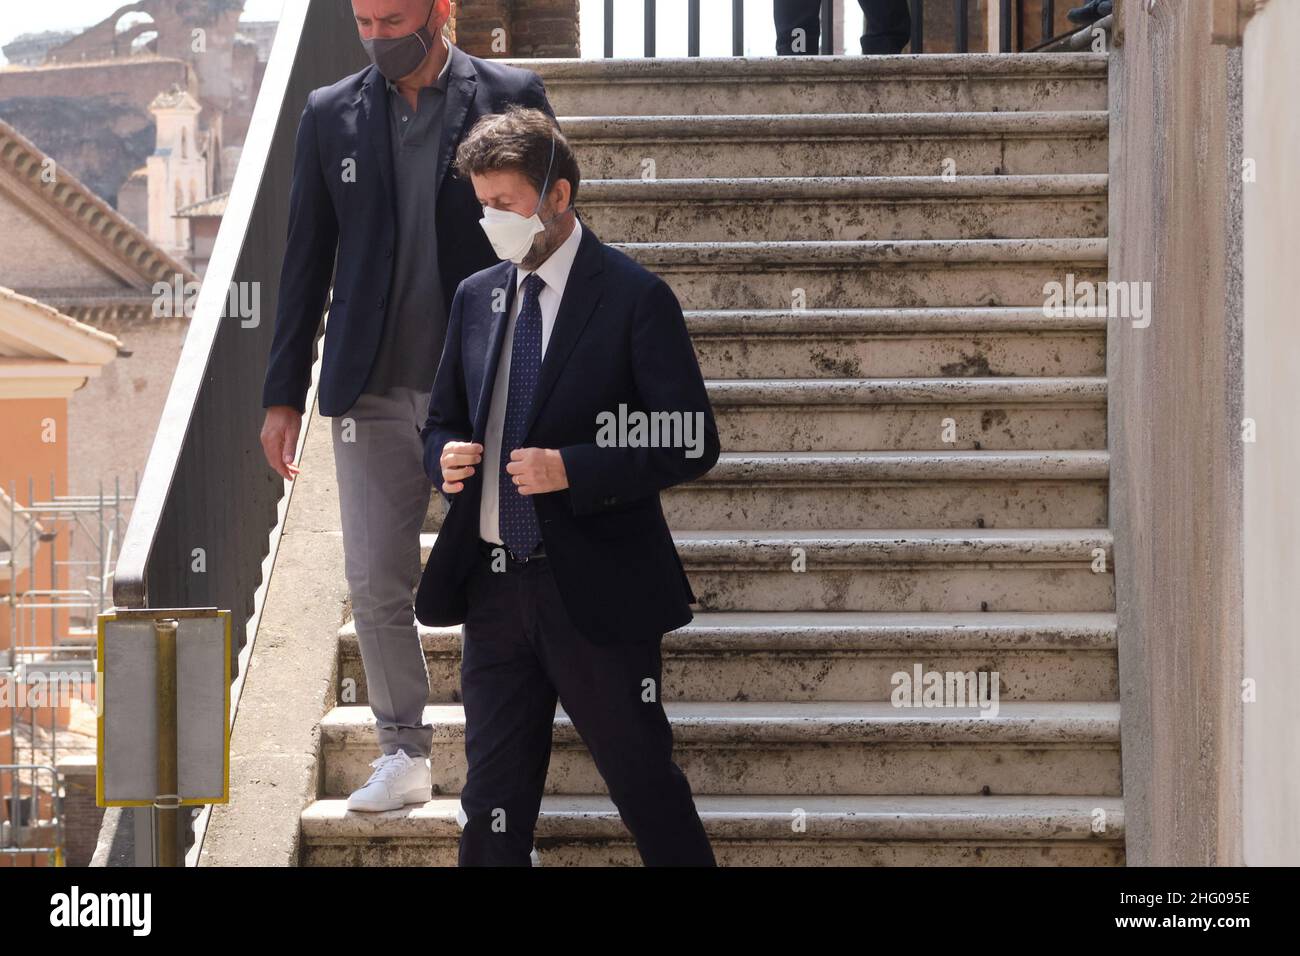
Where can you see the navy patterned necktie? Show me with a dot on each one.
(520, 531)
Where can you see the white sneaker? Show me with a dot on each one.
(397, 780)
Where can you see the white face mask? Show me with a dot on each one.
(511, 234)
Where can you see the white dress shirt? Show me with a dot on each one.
(555, 273)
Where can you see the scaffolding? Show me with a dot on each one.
(34, 536)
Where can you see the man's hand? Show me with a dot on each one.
(280, 438)
(458, 461)
(537, 470)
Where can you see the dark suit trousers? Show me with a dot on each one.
(888, 25)
(520, 652)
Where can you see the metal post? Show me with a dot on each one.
(1049, 19)
(737, 27)
(918, 26)
(33, 798)
(103, 563)
(13, 572)
(650, 10)
(53, 542)
(54, 567)
(693, 28)
(961, 18)
(167, 802)
(609, 28)
(31, 566)
(15, 811)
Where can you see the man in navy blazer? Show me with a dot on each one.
(555, 554)
(376, 211)
(343, 205)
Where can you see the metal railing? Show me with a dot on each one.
(24, 831)
(35, 527)
(75, 590)
(1011, 24)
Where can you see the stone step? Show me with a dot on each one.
(900, 570)
(823, 84)
(853, 274)
(888, 489)
(810, 830)
(834, 655)
(893, 343)
(1025, 415)
(1032, 414)
(977, 554)
(1044, 570)
(838, 144)
(847, 208)
(828, 747)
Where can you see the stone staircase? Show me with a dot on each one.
(918, 434)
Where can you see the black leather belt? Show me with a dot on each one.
(489, 550)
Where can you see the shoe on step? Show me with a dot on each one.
(1090, 12)
(397, 780)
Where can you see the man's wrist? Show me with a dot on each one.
(556, 466)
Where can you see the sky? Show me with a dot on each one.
(715, 24)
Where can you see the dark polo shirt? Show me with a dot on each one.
(415, 323)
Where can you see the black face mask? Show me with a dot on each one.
(396, 57)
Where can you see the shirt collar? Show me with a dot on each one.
(441, 81)
(555, 270)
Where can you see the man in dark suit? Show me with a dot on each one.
(555, 553)
(372, 191)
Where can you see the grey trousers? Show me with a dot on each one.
(383, 497)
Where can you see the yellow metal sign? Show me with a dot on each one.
(146, 703)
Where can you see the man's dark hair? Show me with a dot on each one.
(519, 139)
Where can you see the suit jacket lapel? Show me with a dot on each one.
(373, 128)
(462, 83)
(496, 340)
(581, 293)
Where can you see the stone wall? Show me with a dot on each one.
(1175, 433)
(1271, 367)
(34, 257)
(517, 28)
(101, 138)
(172, 19)
(30, 49)
(82, 818)
(136, 81)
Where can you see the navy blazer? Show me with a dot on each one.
(619, 338)
(342, 202)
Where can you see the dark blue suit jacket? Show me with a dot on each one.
(619, 338)
(356, 217)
